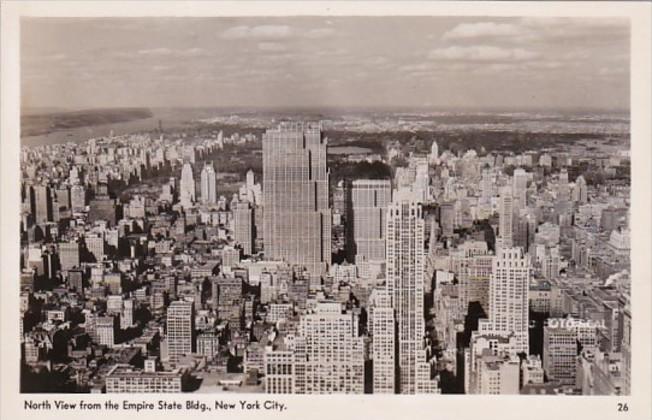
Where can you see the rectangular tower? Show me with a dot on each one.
(508, 295)
(506, 219)
(369, 200)
(180, 321)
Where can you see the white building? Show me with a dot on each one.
(508, 295)
(208, 185)
(187, 186)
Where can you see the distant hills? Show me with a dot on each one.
(34, 124)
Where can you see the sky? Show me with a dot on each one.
(281, 62)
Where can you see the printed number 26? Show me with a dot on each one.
(622, 407)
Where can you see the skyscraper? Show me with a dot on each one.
(382, 328)
(243, 226)
(42, 204)
(582, 189)
(508, 295)
(187, 186)
(69, 255)
(78, 198)
(102, 206)
(447, 218)
(506, 219)
(519, 188)
(250, 179)
(405, 284)
(369, 199)
(297, 219)
(563, 189)
(434, 152)
(180, 325)
(95, 245)
(208, 188)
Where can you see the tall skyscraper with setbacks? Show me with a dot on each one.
(297, 219)
(405, 285)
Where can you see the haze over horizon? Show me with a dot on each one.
(426, 63)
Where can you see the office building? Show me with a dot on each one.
(68, 255)
(297, 219)
(382, 331)
(405, 284)
(187, 186)
(105, 327)
(208, 184)
(279, 372)
(560, 354)
(447, 219)
(519, 188)
(180, 330)
(243, 228)
(505, 219)
(42, 204)
(77, 198)
(329, 352)
(369, 200)
(95, 245)
(508, 295)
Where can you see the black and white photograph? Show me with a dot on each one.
(221, 206)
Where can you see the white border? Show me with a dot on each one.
(369, 406)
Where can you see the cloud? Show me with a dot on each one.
(415, 67)
(271, 46)
(483, 30)
(552, 29)
(55, 57)
(377, 60)
(190, 52)
(320, 33)
(612, 71)
(155, 51)
(257, 32)
(326, 52)
(482, 53)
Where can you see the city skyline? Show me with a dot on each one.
(328, 62)
(355, 253)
